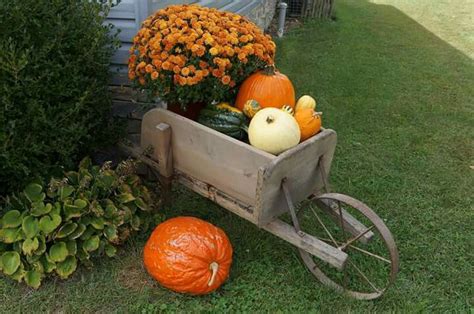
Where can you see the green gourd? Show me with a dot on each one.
(225, 119)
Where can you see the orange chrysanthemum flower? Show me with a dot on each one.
(225, 79)
(186, 44)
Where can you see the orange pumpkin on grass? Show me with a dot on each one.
(309, 122)
(188, 255)
(268, 87)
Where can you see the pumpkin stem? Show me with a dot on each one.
(270, 119)
(269, 69)
(214, 267)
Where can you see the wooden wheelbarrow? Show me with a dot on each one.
(265, 189)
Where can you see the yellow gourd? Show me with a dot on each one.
(273, 130)
(305, 101)
(226, 105)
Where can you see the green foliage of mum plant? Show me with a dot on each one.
(51, 229)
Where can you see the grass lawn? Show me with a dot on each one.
(402, 102)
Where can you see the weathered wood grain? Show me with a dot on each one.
(310, 244)
(243, 210)
(208, 155)
(300, 167)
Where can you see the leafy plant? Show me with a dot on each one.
(89, 212)
(54, 99)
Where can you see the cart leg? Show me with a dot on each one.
(163, 153)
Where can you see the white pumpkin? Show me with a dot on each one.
(273, 130)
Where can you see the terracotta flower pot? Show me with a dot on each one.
(191, 112)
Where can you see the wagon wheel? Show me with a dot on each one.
(372, 263)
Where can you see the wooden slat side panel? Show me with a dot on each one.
(300, 167)
(216, 196)
(209, 156)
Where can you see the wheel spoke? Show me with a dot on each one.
(342, 247)
(323, 225)
(364, 276)
(370, 254)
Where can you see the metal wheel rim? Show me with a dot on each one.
(383, 231)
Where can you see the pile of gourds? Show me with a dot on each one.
(265, 110)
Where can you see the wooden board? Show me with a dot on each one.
(307, 242)
(300, 167)
(209, 156)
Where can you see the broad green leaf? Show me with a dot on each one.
(107, 181)
(135, 223)
(67, 267)
(19, 274)
(40, 209)
(141, 204)
(41, 247)
(78, 232)
(110, 233)
(125, 198)
(110, 210)
(71, 211)
(88, 233)
(38, 266)
(83, 256)
(30, 226)
(33, 192)
(73, 177)
(10, 262)
(81, 204)
(56, 209)
(110, 250)
(9, 235)
(48, 224)
(65, 191)
(11, 219)
(91, 244)
(66, 230)
(71, 247)
(33, 279)
(58, 252)
(30, 245)
(48, 265)
(56, 219)
(97, 223)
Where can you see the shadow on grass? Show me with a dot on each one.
(401, 100)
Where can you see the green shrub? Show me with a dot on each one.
(88, 212)
(54, 102)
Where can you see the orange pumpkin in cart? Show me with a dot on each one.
(188, 255)
(268, 87)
